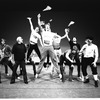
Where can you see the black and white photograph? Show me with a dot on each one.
(49, 49)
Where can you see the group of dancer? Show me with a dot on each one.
(51, 49)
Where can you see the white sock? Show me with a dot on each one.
(87, 77)
(60, 75)
(95, 77)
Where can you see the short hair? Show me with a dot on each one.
(18, 38)
(3, 39)
(89, 37)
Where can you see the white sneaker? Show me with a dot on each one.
(36, 76)
(7, 74)
(60, 76)
(80, 78)
(18, 78)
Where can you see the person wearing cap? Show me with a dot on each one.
(19, 51)
(89, 52)
(74, 45)
(47, 38)
(33, 42)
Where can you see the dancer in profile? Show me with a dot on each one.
(47, 38)
(89, 52)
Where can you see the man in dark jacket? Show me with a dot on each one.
(19, 51)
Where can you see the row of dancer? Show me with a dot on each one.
(50, 42)
(18, 53)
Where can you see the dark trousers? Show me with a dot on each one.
(31, 48)
(85, 63)
(6, 63)
(22, 64)
(78, 63)
(34, 67)
(62, 60)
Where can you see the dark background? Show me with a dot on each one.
(85, 13)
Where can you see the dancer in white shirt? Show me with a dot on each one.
(89, 53)
(47, 38)
(56, 44)
(34, 37)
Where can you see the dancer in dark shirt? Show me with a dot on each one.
(19, 51)
(75, 46)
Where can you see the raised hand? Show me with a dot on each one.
(66, 31)
(29, 18)
(39, 15)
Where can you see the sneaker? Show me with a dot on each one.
(86, 80)
(79, 78)
(36, 76)
(12, 82)
(70, 79)
(96, 83)
(26, 82)
(18, 78)
(60, 76)
(7, 74)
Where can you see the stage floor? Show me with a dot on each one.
(47, 87)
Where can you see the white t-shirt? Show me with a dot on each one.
(56, 41)
(47, 37)
(34, 37)
(89, 50)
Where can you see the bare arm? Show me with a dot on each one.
(39, 22)
(96, 54)
(41, 42)
(67, 31)
(67, 56)
(32, 28)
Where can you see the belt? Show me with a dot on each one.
(31, 42)
(56, 48)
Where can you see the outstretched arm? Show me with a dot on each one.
(67, 31)
(32, 29)
(40, 22)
